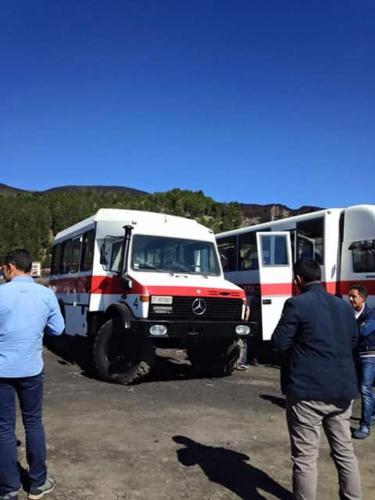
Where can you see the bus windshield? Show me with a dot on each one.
(174, 255)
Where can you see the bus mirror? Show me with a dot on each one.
(126, 282)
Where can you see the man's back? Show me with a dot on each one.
(320, 331)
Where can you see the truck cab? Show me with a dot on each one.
(133, 281)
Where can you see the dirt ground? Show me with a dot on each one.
(175, 437)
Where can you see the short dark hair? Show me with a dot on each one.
(362, 290)
(308, 269)
(20, 258)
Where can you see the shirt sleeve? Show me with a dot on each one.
(285, 331)
(369, 325)
(55, 322)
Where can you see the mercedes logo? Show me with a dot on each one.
(199, 306)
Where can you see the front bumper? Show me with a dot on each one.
(185, 329)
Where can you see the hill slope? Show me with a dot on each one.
(30, 219)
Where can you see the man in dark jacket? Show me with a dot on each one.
(319, 332)
(366, 349)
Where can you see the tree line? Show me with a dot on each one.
(31, 220)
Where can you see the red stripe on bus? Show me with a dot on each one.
(344, 286)
(80, 284)
(333, 287)
(276, 289)
(112, 285)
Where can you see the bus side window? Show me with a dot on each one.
(363, 255)
(71, 252)
(228, 253)
(87, 256)
(248, 251)
(56, 259)
(310, 239)
(274, 251)
(292, 233)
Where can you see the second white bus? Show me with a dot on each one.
(260, 258)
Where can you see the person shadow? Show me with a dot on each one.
(230, 469)
(274, 400)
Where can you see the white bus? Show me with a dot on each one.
(259, 258)
(132, 281)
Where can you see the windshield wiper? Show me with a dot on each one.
(147, 265)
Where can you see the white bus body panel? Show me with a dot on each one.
(275, 279)
(359, 226)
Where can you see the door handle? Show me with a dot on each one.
(266, 302)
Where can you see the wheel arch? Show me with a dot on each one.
(120, 311)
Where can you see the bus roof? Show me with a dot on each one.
(142, 220)
(272, 223)
(355, 212)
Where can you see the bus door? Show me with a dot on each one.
(275, 276)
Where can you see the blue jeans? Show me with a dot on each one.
(367, 380)
(30, 394)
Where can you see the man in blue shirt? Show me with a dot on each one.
(26, 310)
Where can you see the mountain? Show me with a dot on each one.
(8, 190)
(99, 189)
(31, 219)
(253, 213)
(256, 214)
(5, 189)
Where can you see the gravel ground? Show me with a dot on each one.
(174, 436)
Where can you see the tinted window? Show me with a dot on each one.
(248, 251)
(363, 254)
(310, 240)
(70, 256)
(228, 251)
(87, 250)
(177, 255)
(56, 259)
(274, 251)
(116, 256)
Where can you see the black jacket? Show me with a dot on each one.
(319, 332)
(366, 325)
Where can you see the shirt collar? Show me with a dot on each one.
(22, 278)
(312, 285)
(358, 313)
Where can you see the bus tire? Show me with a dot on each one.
(121, 357)
(215, 359)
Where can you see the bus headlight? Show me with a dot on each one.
(158, 330)
(242, 330)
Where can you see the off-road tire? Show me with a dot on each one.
(133, 360)
(214, 359)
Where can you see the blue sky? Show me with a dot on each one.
(252, 101)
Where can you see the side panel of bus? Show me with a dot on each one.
(313, 236)
(275, 269)
(358, 250)
(71, 278)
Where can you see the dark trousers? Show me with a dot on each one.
(30, 394)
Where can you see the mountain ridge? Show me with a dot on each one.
(5, 189)
(254, 213)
